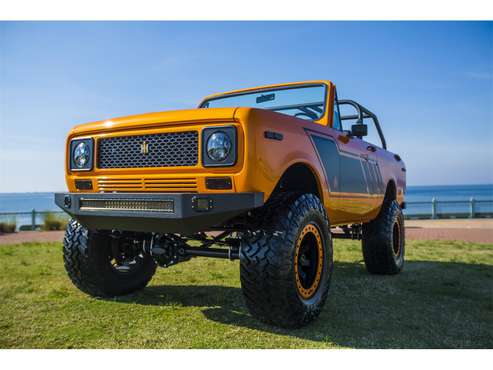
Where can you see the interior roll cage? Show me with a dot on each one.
(312, 110)
(362, 113)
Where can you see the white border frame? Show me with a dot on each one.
(247, 10)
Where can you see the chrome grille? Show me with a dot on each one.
(157, 150)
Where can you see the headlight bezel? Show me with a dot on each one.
(230, 159)
(73, 144)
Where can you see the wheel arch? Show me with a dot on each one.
(391, 190)
(299, 176)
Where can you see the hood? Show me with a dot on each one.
(156, 119)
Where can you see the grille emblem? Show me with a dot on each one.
(144, 148)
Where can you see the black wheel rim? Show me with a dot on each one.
(396, 239)
(125, 257)
(308, 261)
(127, 266)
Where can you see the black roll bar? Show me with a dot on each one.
(363, 113)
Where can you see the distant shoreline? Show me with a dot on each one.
(454, 200)
(408, 186)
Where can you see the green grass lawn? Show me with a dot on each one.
(443, 298)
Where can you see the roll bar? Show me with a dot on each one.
(363, 113)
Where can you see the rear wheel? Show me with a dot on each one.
(384, 241)
(102, 266)
(286, 266)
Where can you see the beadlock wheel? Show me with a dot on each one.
(308, 261)
(286, 265)
(396, 238)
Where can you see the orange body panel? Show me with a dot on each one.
(260, 162)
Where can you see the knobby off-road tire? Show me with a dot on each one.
(286, 265)
(88, 260)
(384, 240)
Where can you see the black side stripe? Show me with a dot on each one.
(373, 177)
(347, 173)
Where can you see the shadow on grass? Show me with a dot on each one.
(429, 305)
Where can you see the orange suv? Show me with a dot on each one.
(263, 175)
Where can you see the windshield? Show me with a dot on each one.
(306, 102)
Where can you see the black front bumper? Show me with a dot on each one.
(184, 213)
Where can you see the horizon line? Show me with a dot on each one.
(408, 186)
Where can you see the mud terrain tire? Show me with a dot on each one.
(87, 259)
(384, 241)
(286, 265)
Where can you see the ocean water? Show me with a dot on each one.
(449, 192)
(450, 199)
(25, 202)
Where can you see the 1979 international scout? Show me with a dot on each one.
(261, 175)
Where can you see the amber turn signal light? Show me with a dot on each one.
(83, 184)
(218, 183)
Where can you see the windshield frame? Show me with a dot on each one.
(272, 88)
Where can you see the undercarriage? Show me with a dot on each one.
(170, 249)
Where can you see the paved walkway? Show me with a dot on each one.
(470, 230)
(31, 236)
(476, 231)
(476, 223)
(468, 235)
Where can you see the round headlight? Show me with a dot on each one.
(81, 155)
(218, 146)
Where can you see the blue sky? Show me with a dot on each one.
(430, 83)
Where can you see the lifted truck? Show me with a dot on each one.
(261, 175)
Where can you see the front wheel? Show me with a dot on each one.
(104, 267)
(286, 266)
(384, 240)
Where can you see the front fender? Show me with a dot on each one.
(267, 159)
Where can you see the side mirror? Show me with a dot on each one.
(359, 130)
